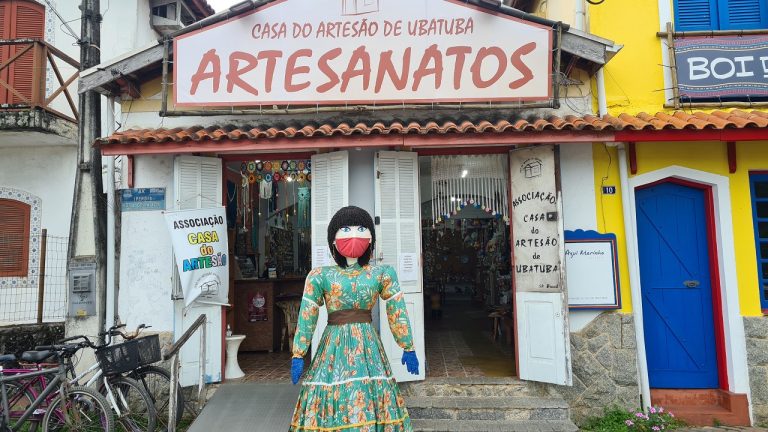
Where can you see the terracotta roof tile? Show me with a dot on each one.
(623, 122)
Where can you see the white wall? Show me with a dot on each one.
(47, 173)
(579, 206)
(146, 261)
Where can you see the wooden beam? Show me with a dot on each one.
(129, 65)
(632, 157)
(731, 146)
(64, 85)
(129, 180)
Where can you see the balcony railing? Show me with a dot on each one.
(23, 67)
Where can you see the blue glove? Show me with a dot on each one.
(411, 362)
(297, 367)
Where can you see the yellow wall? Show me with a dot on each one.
(710, 157)
(634, 79)
(610, 215)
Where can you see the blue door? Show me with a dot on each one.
(676, 287)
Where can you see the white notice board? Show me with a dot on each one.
(592, 270)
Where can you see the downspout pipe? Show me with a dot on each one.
(109, 185)
(602, 102)
(634, 277)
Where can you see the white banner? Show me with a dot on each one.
(202, 256)
(363, 51)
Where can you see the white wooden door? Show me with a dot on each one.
(543, 340)
(197, 184)
(330, 192)
(398, 235)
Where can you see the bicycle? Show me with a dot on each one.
(129, 400)
(155, 379)
(75, 408)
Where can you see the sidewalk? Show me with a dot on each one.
(252, 407)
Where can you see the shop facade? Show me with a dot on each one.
(465, 162)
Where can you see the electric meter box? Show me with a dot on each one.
(82, 289)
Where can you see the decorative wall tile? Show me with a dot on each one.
(35, 231)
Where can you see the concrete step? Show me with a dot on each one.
(487, 408)
(422, 425)
(483, 387)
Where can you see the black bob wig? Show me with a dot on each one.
(350, 216)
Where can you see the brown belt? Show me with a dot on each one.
(349, 316)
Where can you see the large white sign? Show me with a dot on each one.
(202, 256)
(363, 51)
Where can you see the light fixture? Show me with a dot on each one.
(464, 174)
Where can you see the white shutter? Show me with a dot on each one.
(543, 340)
(330, 192)
(398, 233)
(198, 184)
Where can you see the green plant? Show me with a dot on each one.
(615, 419)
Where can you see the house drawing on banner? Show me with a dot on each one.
(359, 7)
(531, 168)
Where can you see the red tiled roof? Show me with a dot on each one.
(679, 120)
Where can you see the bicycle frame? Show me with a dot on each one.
(97, 373)
(42, 397)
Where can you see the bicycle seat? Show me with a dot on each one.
(36, 356)
(7, 358)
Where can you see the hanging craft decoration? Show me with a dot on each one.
(268, 178)
(285, 166)
(479, 181)
(251, 179)
(243, 168)
(251, 167)
(268, 166)
(301, 166)
(276, 177)
(259, 166)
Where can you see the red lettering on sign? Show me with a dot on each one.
(387, 67)
(431, 55)
(517, 62)
(461, 53)
(235, 72)
(358, 56)
(325, 68)
(212, 59)
(477, 66)
(291, 70)
(271, 57)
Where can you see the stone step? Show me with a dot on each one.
(487, 408)
(450, 387)
(422, 425)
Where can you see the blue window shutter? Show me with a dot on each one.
(743, 14)
(759, 189)
(693, 15)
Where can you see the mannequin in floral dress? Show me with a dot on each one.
(349, 384)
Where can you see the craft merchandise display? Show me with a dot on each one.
(479, 181)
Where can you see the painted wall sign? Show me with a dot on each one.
(199, 239)
(725, 67)
(537, 226)
(593, 270)
(363, 51)
(145, 199)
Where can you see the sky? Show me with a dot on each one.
(220, 5)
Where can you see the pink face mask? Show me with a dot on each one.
(352, 247)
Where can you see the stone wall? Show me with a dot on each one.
(604, 363)
(19, 338)
(756, 331)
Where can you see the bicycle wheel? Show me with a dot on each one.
(19, 399)
(157, 382)
(82, 409)
(137, 412)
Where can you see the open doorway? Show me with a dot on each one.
(466, 253)
(269, 222)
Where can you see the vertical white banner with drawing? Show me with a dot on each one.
(200, 247)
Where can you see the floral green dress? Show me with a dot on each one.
(349, 385)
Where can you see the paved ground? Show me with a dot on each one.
(252, 407)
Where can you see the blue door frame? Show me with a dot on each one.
(674, 248)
